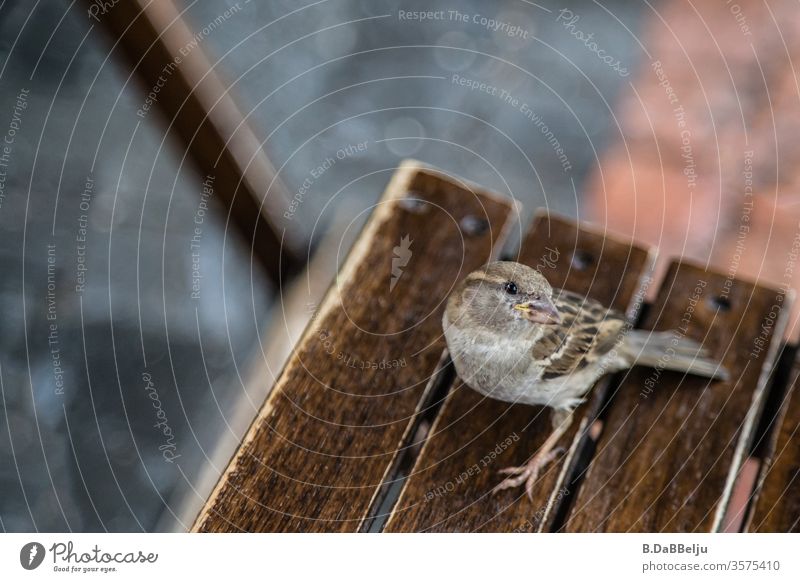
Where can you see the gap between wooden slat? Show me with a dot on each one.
(609, 280)
(296, 473)
(596, 504)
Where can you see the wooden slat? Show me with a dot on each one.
(202, 114)
(279, 339)
(777, 506)
(316, 456)
(470, 426)
(672, 444)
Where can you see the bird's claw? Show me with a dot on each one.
(527, 473)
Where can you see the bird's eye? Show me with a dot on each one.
(511, 288)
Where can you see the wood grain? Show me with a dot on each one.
(474, 437)
(316, 456)
(673, 444)
(777, 505)
(201, 113)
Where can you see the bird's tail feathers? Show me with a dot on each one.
(668, 350)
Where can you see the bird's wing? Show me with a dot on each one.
(588, 331)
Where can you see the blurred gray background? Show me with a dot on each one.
(81, 447)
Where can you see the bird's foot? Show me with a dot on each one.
(527, 473)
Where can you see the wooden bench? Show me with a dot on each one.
(369, 429)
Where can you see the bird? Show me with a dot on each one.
(513, 337)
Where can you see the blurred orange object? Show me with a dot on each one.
(704, 165)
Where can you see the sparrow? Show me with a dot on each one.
(512, 337)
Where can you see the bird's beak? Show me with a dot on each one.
(541, 311)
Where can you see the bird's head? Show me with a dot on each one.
(503, 295)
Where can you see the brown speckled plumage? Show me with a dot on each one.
(513, 337)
